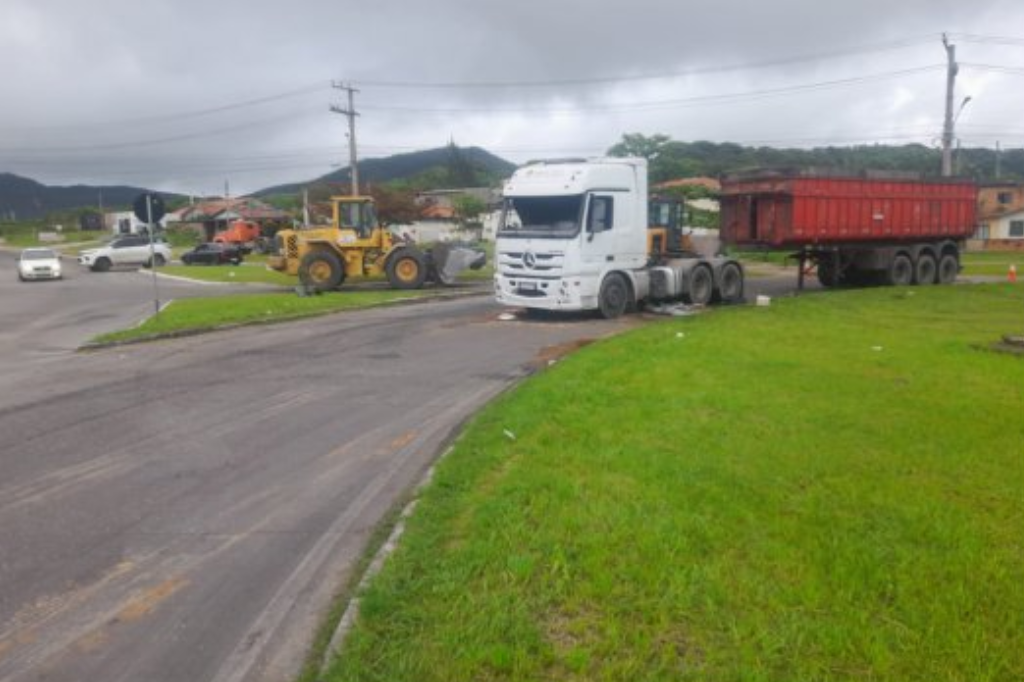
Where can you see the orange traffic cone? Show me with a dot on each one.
(1012, 276)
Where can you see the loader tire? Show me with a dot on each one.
(407, 269)
(321, 271)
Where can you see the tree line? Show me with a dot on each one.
(670, 159)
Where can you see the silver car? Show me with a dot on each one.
(39, 264)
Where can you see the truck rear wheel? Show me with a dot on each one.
(901, 271)
(949, 267)
(407, 269)
(614, 297)
(730, 284)
(321, 270)
(702, 286)
(924, 269)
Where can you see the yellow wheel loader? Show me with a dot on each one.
(355, 245)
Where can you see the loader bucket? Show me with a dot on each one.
(448, 260)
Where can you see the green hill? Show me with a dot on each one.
(442, 168)
(25, 199)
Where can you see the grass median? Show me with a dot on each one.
(247, 273)
(831, 488)
(199, 314)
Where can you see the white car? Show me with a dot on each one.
(126, 250)
(39, 264)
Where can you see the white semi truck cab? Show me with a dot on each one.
(574, 236)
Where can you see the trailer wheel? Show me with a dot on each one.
(614, 297)
(407, 269)
(321, 270)
(702, 286)
(949, 267)
(924, 269)
(730, 283)
(901, 271)
(827, 275)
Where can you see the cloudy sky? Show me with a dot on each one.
(190, 95)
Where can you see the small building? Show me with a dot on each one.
(439, 216)
(1000, 218)
(210, 217)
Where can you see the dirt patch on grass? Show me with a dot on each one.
(551, 354)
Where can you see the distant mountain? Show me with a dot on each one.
(442, 168)
(25, 199)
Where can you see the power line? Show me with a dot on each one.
(1012, 70)
(183, 115)
(604, 80)
(987, 40)
(156, 141)
(728, 98)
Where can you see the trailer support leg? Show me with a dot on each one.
(800, 270)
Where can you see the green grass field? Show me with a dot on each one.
(993, 263)
(197, 314)
(831, 488)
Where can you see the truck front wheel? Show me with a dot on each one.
(321, 270)
(614, 297)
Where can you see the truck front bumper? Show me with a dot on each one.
(564, 293)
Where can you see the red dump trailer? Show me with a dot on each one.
(854, 230)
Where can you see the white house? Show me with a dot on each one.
(1006, 226)
(125, 222)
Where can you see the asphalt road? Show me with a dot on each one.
(184, 510)
(48, 318)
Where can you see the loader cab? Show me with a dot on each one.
(355, 213)
(664, 226)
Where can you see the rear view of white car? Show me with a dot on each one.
(39, 264)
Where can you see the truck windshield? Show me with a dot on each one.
(554, 217)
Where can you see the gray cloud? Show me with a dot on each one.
(184, 95)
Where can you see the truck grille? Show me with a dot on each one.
(292, 246)
(528, 262)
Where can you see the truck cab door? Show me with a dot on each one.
(598, 232)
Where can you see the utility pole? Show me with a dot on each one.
(947, 129)
(351, 114)
(999, 160)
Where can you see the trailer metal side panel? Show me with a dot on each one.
(795, 211)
